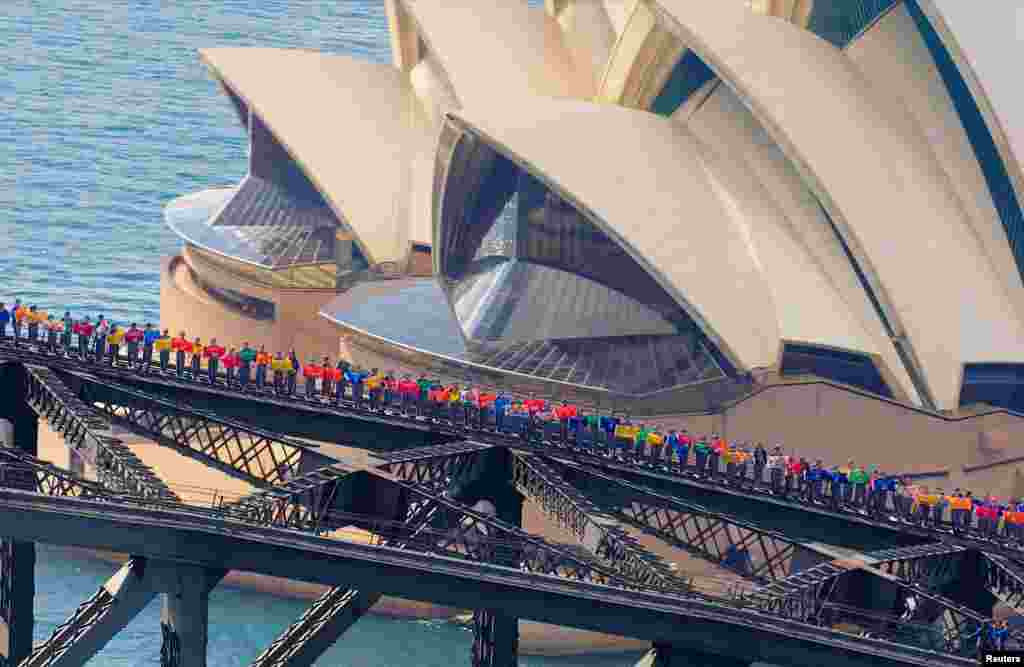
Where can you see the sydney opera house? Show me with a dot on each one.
(782, 220)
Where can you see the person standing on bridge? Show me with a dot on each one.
(232, 362)
(83, 330)
(408, 391)
(20, 313)
(54, 333)
(69, 324)
(501, 405)
(5, 319)
(247, 357)
(32, 324)
(939, 508)
(150, 335)
(114, 339)
(760, 462)
(339, 381)
(792, 480)
(675, 444)
(470, 405)
(327, 381)
(775, 469)
(485, 407)
(213, 354)
(293, 374)
(280, 366)
(354, 378)
(181, 346)
(859, 482)
(100, 340)
(263, 360)
(133, 338)
(162, 345)
(312, 372)
(197, 359)
(700, 456)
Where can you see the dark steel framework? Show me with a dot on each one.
(89, 613)
(435, 464)
(262, 458)
(761, 555)
(87, 432)
(560, 500)
(437, 524)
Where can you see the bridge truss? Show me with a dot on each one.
(433, 523)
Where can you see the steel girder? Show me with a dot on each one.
(806, 595)
(24, 471)
(332, 613)
(1005, 578)
(303, 503)
(495, 639)
(935, 564)
(87, 432)
(306, 639)
(599, 531)
(433, 465)
(460, 531)
(86, 615)
(929, 564)
(800, 596)
(710, 535)
(259, 457)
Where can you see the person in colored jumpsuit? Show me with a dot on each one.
(162, 345)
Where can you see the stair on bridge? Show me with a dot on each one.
(707, 577)
(764, 596)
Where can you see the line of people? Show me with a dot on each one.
(713, 458)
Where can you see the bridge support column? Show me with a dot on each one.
(666, 655)
(970, 588)
(495, 634)
(495, 639)
(19, 428)
(184, 620)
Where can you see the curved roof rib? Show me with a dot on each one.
(349, 125)
(503, 44)
(851, 144)
(657, 203)
(894, 55)
(994, 84)
(818, 300)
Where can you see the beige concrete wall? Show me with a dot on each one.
(820, 420)
(185, 306)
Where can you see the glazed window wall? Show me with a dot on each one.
(310, 276)
(845, 367)
(841, 21)
(585, 310)
(999, 385)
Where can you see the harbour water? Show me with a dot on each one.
(106, 114)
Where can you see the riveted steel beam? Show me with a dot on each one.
(87, 431)
(756, 553)
(259, 457)
(433, 465)
(596, 529)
